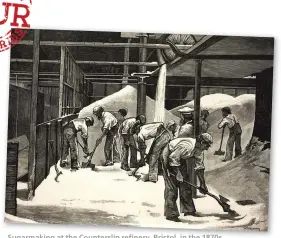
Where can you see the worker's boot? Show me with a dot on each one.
(108, 163)
(190, 214)
(74, 165)
(236, 155)
(226, 160)
(174, 219)
(64, 163)
(125, 167)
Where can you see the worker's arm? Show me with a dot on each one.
(105, 129)
(174, 162)
(84, 136)
(199, 169)
(201, 177)
(104, 133)
(179, 176)
(223, 123)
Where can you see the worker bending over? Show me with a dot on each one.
(161, 137)
(70, 131)
(109, 130)
(128, 141)
(173, 159)
(235, 131)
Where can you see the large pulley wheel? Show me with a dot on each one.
(173, 40)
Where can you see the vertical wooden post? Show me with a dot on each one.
(11, 178)
(141, 98)
(17, 110)
(105, 90)
(62, 76)
(197, 96)
(58, 140)
(48, 137)
(33, 115)
(75, 79)
(181, 97)
(59, 144)
(126, 67)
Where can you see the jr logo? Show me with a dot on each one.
(13, 14)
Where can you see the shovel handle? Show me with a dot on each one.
(222, 133)
(208, 193)
(91, 154)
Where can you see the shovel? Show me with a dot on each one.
(220, 152)
(88, 157)
(220, 199)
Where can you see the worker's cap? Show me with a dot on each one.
(226, 109)
(186, 110)
(98, 109)
(170, 123)
(90, 119)
(206, 137)
(123, 111)
(141, 119)
(205, 112)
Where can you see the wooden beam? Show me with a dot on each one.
(104, 45)
(30, 61)
(47, 84)
(149, 64)
(176, 81)
(62, 75)
(230, 57)
(208, 81)
(41, 79)
(33, 116)
(30, 73)
(170, 66)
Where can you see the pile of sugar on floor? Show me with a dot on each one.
(90, 196)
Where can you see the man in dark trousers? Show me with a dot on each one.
(109, 130)
(161, 137)
(173, 159)
(118, 140)
(128, 141)
(70, 131)
(235, 131)
(203, 123)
